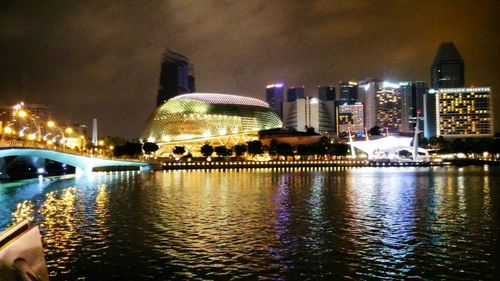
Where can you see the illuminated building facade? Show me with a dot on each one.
(464, 112)
(388, 107)
(274, 97)
(194, 119)
(350, 117)
(176, 77)
(447, 70)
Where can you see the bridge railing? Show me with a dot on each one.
(39, 145)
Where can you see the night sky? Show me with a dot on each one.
(101, 59)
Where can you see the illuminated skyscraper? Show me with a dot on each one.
(350, 117)
(407, 105)
(412, 104)
(388, 106)
(367, 93)
(464, 112)
(274, 97)
(348, 91)
(447, 70)
(176, 77)
(430, 113)
(419, 89)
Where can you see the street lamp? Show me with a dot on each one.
(52, 124)
(23, 114)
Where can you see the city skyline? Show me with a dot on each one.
(89, 60)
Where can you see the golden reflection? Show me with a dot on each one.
(24, 210)
(61, 236)
(486, 196)
(101, 205)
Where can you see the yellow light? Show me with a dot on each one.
(111, 147)
(69, 130)
(31, 136)
(51, 123)
(101, 142)
(7, 130)
(49, 142)
(22, 113)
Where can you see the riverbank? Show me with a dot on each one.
(290, 164)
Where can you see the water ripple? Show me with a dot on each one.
(362, 223)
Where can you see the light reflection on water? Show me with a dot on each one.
(359, 223)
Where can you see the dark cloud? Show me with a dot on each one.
(100, 59)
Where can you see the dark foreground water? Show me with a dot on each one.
(354, 223)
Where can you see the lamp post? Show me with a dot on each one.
(52, 124)
(23, 114)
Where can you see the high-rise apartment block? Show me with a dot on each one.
(447, 70)
(176, 77)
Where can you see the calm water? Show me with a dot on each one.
(353, 223)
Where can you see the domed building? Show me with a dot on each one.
(192, 120)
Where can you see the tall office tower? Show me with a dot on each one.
(309, 112)
(327, 93)
(350, 117)
(447, 70)
(274, 97)
(294, 93)
(430, 113)
(348, 91)
(407, 105)
(388, 107)
(327, 96)
(367, 94)
(419, 89)
(176, 77)
(464, 112)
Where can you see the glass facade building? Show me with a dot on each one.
(176, 77)
(274, 97)
(447, 70)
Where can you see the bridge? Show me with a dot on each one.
(36, 156)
